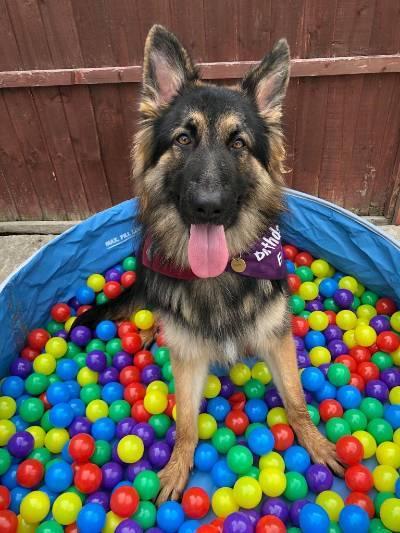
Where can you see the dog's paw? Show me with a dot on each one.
(322, 451)
(173, 480)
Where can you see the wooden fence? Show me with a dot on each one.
(69, 86)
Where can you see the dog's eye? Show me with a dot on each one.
(183, 139)
(237, 144)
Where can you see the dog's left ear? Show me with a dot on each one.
(267, 82)
(167, 66)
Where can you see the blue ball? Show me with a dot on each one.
(78, 406)
(313, 339)
(85, 295)
(290, 266)
(170, 517)
(397, 488)
(112, 391)
(9, 478)
(218, 407)
(17, 494)
(67, 369)
(313, 519)
(327, 287)
(20, 423)
(354, 518)
(312, 379)
(338, 276)
(73, 388)
(205, 457)
(58, 392)
(91, 517)
(222, 475)
(260, 440)
(190, 526)
(256, 410)
(58, 476)
(392, 415)
(103, 429)
(106, 330)
(13, 386)
(61, 415)
(328, 392)
(65, 453)
(297, 459)
(349, 397)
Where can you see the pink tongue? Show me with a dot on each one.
(208, 252)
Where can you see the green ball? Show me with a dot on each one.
(41, 454)
(145, 515)
(223, 440)
(36, 383)
(296, 304)
(314, 414)
(167, 371)
(129, 263)
(338, 374)
(31, 410)
(296, 486)
(382, 360)
(101, 298)
(304, 313)
(376, 526)
(50, 526)
(171, 386)
(253, 472)
(5, 460)
(90, 392)
(54, 327)
(45, 421)
(254, 389)
(334, 528)
(239, 459)
(102, 453)
(369, 297)
(160, 423)
(95, 344)
(53, 378)
(380, 497)
(337, 427)
(356, 419)
(80, 359)
(293, 530)
(72, 350)
(356, 303)
(162, 355)
(113, 346)
(147, 483)
(381, 430)
(109, 359)
(305, 273)
(118, 410)
(330, 305)
(372, 408)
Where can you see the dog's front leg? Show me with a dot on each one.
(190, 373)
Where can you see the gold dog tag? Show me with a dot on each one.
(238, 264)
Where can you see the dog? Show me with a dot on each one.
(207, 169)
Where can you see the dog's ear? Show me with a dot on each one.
(167, 66)
(267, 82)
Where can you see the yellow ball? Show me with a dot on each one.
(318, 320)
(174, 411)
(277, 415)
(349, 338)
(207, 426)
(368, 442)
(130, 449)
(112, 522)
(158, 386)
(96, 282)
(331, 502)
(320, 268)
(155, 402)
(66, 508)
(396, 436)
(7, 430)
(390, 514)
(56, 346)
(212, 387)
(360, 290)
(55, 439)
(395, 321)
(346, 319)
(366, 311)
(349, 283)
(388, 453)
(7, 407)
(86, 376)
(261, 372)
(38, 434)
(35, 506)
(68, 324)
(317, 281)
(331, 271)
(143, 319)
(24, 527)
(385, 478)
(223, 502)
(96, 409)
(308, 290)
(240, 374)
(45, 363)
(365, 335)
(319, 355)
(247, 492)
(272, 460)
(272, 482)
(362, 321)
(396, 357)
(394, 395)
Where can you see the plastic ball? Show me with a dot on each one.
(337, 428)
(155, 402)
(223, 502)
(66, 508)
(130, 449)
(313, 518)
(390, 514)
(170, 516)
(247, 492)
(319, 478)
(30, 473)
(222, 475)
(353, 518)
(19, 444)
(385, 478)
(331, 502)
(312, 379)
(388, 453)
(88, 478)
(91, 517)
(365, 335)
(147, 484)
(272, 482)
(124, 501)
(297, 459)
(240, 374)
(81, 447)
(358, 478)
(261, 440)
(338, 374)
(195, 502)
(205, 456)
(143, 319)
(349, 450)
(239, 459)
(35, 507)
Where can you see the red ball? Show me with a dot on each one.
(125, 328)
(300, 326)
(37, 338)
(363, 501)
(134, 392)
(218, 524)
(368, 371)
(294, 282)
(303, 259)
(60, 312)
(207, 528)
(72, 528)
(290, 251)
(385, 306)
(331, 316)
(171, 404)
(160, 339)
(358, 478)
(237, 401)
(124, 501)
(128, 278)
(82, 309)
(129, 374)
(348, 361)
(139, 412)
(357, 381)
(388, 341)
(88, 477)
(29, 353)
(195, 502)
(237, 421)
(81, 447)
(330, 409)
(5, 497)
(112, 289)
(30, 473)
(8, 522)
(143, 358)
(349, 450)
(131, 343)
(373, 348)
(270, 524)
(360, 354)
(283, 435)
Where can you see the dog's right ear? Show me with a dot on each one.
(167, 67)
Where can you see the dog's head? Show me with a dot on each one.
(208, 159)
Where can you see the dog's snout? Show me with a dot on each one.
(208, 205)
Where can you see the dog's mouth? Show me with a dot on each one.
(207, 250)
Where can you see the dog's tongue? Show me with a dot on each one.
(207, 251)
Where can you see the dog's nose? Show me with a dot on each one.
(208, 205)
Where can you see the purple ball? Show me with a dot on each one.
(100, 497)
(391, 377)
(333, 332)
(324, 368)
(80, 424)
(154, 530)
(112, 475)
(170, 437)
(159, 454)
(80, 335)
(145, 432)
(74, 303)
(295, 509)
(314, 305)
(319, 478)
(276, 507)
(299, 343)
(133, 469)
(227, 387)
(150, 373)
(337, 347)
(108, 375)
(121, 360)
(203, 406)
(20, 444)
(21, 367)
(112, 274)
(380, 323)
(125, 427)
(303, 359)
(377, 389)
(343, 298)
(128, 526)
(237, 523)
(252, 515)
(96, 360)
(62, 333)
(308, 396)
(115, 456)
(272, 398)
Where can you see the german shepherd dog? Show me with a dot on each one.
(207, 168)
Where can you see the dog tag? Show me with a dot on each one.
(238, 264)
